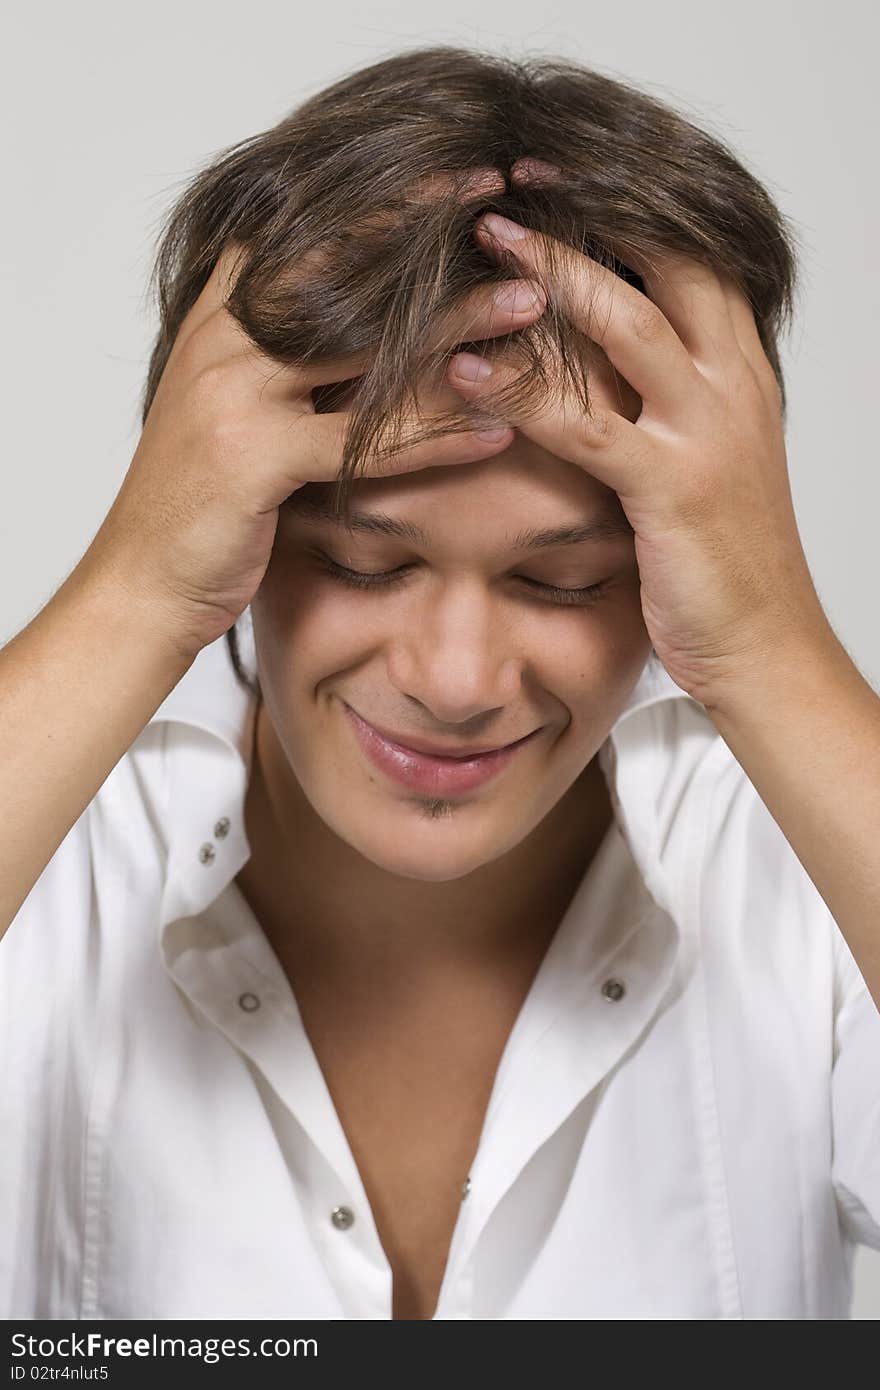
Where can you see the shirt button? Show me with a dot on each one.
(248, 1002)
(206, 854)
(342, 1217)
(614, 990)
(221, 829)
(466, 1187)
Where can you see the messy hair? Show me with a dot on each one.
(338, 175)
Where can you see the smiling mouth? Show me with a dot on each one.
(429, 750)
(437, 774)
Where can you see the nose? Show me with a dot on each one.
(458, 657)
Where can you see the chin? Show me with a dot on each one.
(427, 854)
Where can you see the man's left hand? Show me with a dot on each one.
(701, 473)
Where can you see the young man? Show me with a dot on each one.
(304, 1017)
(347, 1039)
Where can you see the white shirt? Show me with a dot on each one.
(685, 1122)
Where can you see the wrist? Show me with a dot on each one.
(783, 673)
(129, 620)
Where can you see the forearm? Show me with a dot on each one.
(805, 727)
(77, 686)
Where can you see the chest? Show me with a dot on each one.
(412, 1101)
(651, 1195)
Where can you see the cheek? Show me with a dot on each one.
(304, 627)
(594, 665)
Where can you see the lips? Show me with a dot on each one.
(437, 774)
(433, 750)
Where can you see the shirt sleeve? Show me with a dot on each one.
(65, 963)
(855, 1101)
(49, 971)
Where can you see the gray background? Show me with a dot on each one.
(110, 109)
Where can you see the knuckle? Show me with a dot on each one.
(188, 349)
(229, 266)
(647, 323)
(226, 430)
(209, 397)
(221, 422)
(596, 430)
(210, 382)
(195, 351)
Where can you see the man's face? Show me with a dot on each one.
(465, 649)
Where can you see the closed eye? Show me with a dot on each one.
(380, 579)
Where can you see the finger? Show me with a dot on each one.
(487, 313)
(712, 316)
(638, 339)
(746, 329)
(610, 447)
(468, 184)
(212, 336)
(214, 293)
(695, 299)
(691, 296)
(319, 442)
(528, 170)
(219, 341)
(490, 310)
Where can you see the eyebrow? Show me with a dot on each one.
(606, 525)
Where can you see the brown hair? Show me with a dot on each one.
(637, 178)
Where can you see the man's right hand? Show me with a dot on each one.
(229, 436)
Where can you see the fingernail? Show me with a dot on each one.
(501, 227)
(470, 367)
(492, 436)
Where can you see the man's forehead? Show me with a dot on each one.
(523, 476)
(519, 527)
